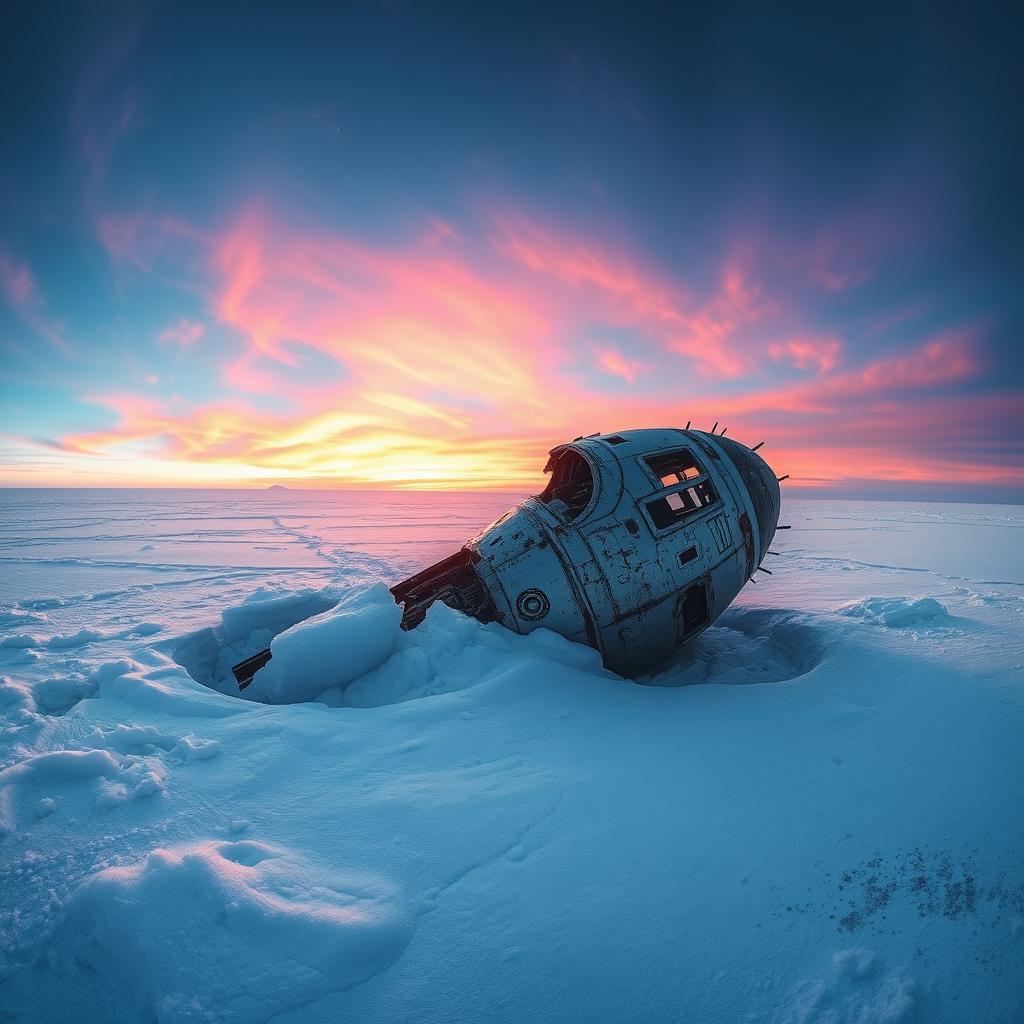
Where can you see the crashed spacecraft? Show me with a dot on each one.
(639, 541)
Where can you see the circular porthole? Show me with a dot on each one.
(532, 604)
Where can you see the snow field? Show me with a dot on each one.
(814, 815)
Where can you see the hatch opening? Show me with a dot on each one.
(693, 610)
(571, 485)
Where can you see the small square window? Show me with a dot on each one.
(675, 467)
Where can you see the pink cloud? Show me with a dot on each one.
(951, 356)
(23, 295)
(624, 291)
(436, 362)
(139, 240)
(613, 362)
(819, 354)
(183, 333)
(843, 256)
(422, 315)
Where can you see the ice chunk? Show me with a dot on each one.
(896, 612)
(271, 609)
(330, 649)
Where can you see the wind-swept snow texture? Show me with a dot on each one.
(812, 814)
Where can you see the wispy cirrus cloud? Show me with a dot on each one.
(106, 109)
(613, 362)
(455, 359)
(707, 329)
(182, 332)
(819, 354)
(24, 297)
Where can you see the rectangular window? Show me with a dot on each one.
(675, 467)
(678, 505)
(687, 556)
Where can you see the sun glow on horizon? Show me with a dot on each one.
(451, 365)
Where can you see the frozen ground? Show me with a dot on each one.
(814, 816)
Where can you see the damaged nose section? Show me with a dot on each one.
(453, 581)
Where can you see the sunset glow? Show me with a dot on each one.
(270, 290)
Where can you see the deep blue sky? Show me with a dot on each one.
(300, 241)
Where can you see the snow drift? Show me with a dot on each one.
(229, 931)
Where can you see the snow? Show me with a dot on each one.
(897, 612)
(330, 649)
(812, 814)
(280, 931)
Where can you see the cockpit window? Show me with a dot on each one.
(675, 467)
(667, 511)
(571, 485)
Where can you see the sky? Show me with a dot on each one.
(417, 245)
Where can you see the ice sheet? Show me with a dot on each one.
(813, 813)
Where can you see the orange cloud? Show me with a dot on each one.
(890, 424)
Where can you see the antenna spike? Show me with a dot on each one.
(756, 446)
(773, 552)
(724, 429)
(761, 568)
(688, 422)
(752, 580)
(783, 527)
(781, 478)
(715, 427)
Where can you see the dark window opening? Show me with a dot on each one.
(633, 526)
(614, 439)
(693, 610)
(679, 504)
(687, 556)
(571, 485)
(675, 467)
